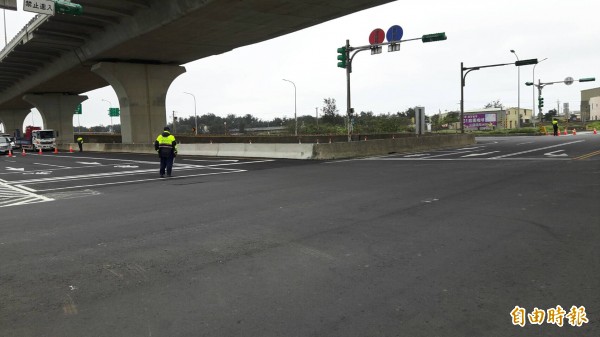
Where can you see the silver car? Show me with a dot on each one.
(5, 144)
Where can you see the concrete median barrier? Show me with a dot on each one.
(324, 151)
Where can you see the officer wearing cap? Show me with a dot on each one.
(166, 146)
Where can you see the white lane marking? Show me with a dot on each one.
(416, 155)
(469, 148)
(213, 160)
(125, 166)
(59, 166)
(14, 169)
(20, 196)
(87, 163)
(242, 163)
(534, 150)
(140, 180)
(479, 154)
(556, 154)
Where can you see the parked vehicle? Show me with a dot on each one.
(35, 139)
(5, 144)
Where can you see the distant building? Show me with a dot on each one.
(511, 117)
(589, 100)
(594, 104)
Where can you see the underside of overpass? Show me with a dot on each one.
(116, 42)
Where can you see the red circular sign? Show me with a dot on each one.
(377, 36)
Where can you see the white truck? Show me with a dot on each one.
(35, 139)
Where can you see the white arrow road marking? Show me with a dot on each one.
(554, 154)
(15, 169)
(479, 154)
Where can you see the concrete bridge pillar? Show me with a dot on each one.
(57, 112)
(142, 91)
(13, 119)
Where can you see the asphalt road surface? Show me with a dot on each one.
(439, 243)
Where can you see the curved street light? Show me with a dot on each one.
(195, 115)
(295, 116)
(518, 92)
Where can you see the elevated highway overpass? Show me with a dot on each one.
(137, 47)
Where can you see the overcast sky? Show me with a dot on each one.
(248, 80)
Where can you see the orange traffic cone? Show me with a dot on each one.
(566, 132)
(40, 151)
(70, 148)
(595, 132)
(10, 153)
(55, 150)
(574, 132)
(23, 153)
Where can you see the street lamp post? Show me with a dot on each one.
(111, 121)
(295, 116)
(518, 92)
(533, 92)
(195, 115)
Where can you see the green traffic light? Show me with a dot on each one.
(342, 57)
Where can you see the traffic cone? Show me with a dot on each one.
(55, 150)
(23, 153)
(10, 153)
(595, 132)
(40, 151)
(70, 148)
(574, 132)
(566, 132)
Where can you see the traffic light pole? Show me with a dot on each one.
(348, 100)
(463, 76)
(346, 62)
(567, 81)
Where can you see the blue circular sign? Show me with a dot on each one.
(394, 33)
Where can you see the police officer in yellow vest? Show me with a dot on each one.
(166, 146)
(80, 143)
(555, 126)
